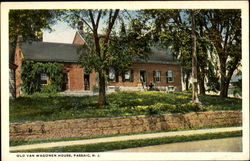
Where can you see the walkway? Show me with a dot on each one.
(214, 145)
(123, 138)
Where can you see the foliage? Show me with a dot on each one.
(223, 28)
(218, 41)
(30, 73)
(95, 88)
(101, 147)
(49, 88)
(41, 106)
(29, 23)
(107, 48)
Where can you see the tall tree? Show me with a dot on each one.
(223, 28)
(172, 29)
(107, 47)
(195, 98)
(29, 23)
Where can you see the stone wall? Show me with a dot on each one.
(121, 125)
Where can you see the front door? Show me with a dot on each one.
(143, 76)
(65, 81)
(86, 82)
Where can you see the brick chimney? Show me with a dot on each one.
(80, 26)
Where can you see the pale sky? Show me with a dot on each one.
(61, 33)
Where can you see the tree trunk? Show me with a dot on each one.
(224, 89)
(201, 82)
(223, 80)
(187, 81)
(102, 90)
(195, 98)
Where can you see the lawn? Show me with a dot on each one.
(46, 107)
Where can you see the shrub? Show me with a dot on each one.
(95, 88)
(49, 89)
(184, 108)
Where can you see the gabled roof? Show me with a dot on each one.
(156, 53)
(47, 51)
(59, 52)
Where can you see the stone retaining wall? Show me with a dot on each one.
(121, 125)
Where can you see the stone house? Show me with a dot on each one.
(160, 69)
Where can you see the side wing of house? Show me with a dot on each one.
(160, 70)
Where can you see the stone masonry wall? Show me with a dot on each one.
(121, 125)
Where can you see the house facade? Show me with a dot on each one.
(160, 70)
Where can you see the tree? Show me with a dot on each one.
(223, 28)
(195, 98)
(29, 23)
(171, 29)
(107, 48)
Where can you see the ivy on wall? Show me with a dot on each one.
(30, 74)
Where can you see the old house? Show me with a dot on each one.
(160, 69)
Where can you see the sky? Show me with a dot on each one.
(62, 33)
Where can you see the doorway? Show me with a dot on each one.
(143, 76)
(86, 81)
(65, 85)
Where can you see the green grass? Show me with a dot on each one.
(100, 147)
(44, 107)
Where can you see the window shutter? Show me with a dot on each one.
(172, 76)
(154, 76)
(116, 77)
(131, 75)
(123, 76)
(167, 76)
(160, 76)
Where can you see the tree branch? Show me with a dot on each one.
(98, 18)
(226, 38)
(111, 24)
(92, 20)
(110, 17)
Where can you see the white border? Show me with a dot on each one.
(243, 5)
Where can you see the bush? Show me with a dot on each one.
(49, 89)
(95, 88)
(184, 108)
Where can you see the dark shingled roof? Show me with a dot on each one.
(46, 51)
(159, 55)
(58, 52)
(156, 54)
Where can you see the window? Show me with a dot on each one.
(170, 76)
(43, 79)
(128, 76)
(157, 76)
